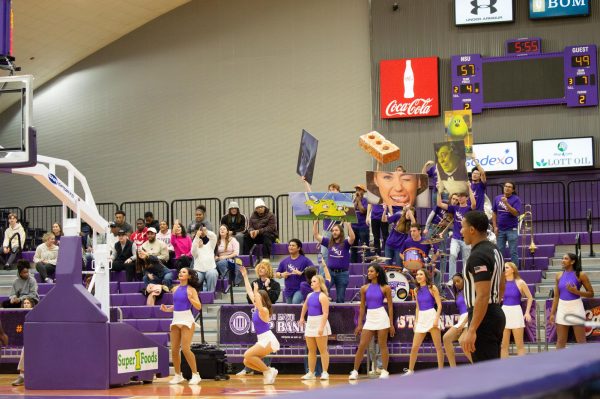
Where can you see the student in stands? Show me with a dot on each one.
(360, 228)
(182, 245)
(199, 221)
(567, 301)
(150, 222)
(121, 223)
(338, 261)
(262, 229)
(505, 220)
(154, 247)
(266, 281)
(478, 183)
(413, 246)
(164, 235)
(203, 251)
(14, 240)
(378, 322)
(514, 289)
(459, 328)
(185, 296)
(57, 231)
(400, 223)
(427, 320)
(124, 256)
(157, 278)
(292, 269)
(140, 235)
(236, 222)
(317, 328)
(23, 288)
(226, 251)
(46, 255)
(27, 304)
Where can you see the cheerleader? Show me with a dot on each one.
(514, 289)
(267, 342)
(378, 322)
(317, 327)
(185, 295)
(457, 330)
(427, 319)
(567, 300)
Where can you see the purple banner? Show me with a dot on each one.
(12, 322)
(592, 313)
(236, 323)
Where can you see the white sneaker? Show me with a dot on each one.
(177, 379)
(195, 379)
(324, 375)
(353, 375)
(270, 375)
(408, 372)
(309, 376)
(384, 374)
(245, 372)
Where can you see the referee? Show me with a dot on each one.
(484, 286)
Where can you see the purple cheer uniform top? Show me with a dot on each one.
(182, 308)
(260, 326)
(339, 254)
(374, 296)
(460, 303)
(425, 299)
(566, 279)
(314, 305)
(512, 294)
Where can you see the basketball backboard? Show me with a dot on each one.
(17, 135)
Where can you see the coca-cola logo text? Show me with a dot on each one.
(418, 106)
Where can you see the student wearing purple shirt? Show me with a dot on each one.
(478, 184)
(505, 220)
(458, 211)
(292, 269)
(400, 223)
(339, 256)
(414, 243)
(380, 229)
(360, 228)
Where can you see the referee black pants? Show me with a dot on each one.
(489, 334)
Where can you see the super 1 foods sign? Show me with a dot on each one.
(140, 359)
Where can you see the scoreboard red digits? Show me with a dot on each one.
(523, 46)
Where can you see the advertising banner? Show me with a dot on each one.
(409, 88)
(236, 323)
(539, 9)
(472, 12)
(563, 153)
(592, 313)
(496, 157)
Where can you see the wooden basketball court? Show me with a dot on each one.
(237, 387)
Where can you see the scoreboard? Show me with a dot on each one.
(525, 77)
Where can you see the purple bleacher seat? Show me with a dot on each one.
(222, 285)
(356, 281)
(351, 293)
(357, 269)
(118, 276)
(161, 338)
(245, 259)
(150, 325)
(28, 255)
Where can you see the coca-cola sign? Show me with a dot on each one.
(409, 88)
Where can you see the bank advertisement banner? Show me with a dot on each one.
(539, 9)
(563, 153)
(592, 313)
(236, 323)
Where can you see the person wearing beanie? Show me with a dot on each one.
(236, 222)
(262, 229)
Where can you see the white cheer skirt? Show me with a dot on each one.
(183, 318)
(312, 327)
(377, 319)
(514, 317)
(462, 318)
(267, 338)
(574, 307)
(427, 321)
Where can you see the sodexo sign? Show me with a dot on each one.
(558, 8)
(563, 153)
(495, 157)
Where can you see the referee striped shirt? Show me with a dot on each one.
(484, 264)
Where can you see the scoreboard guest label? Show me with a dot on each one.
(409, 88)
